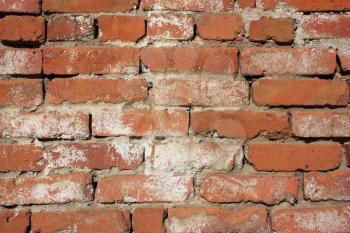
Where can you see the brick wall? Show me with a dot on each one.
(178, 116)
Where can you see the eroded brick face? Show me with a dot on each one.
(174, 116)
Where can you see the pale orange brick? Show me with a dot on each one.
(216, 219)
(223, 188)
(170, 26)
(82, 221)
(46, 190)
(119, 153)
(200, 91)
(312, 220)
(44, 125)
(20, 61)
(321, 124)
(327, 186)
(301, 61)
(140, 122)
(141, 188)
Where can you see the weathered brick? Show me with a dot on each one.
(347, 146)
(119, 153)
(89, 6)
(20, 6)
(140, 122)
(215, 219)
(70, 28)
(18, 158)
(46, 190)
(309, 6)
(246, 3)
(123, 28)
(294, 156)
(21, 92)
(303, 61)
(149, 220)
(241, 124)
(141, 188)
(35, 125)
(170, 26)
(223, 188)
(14, 221)
(325, 26)
(200, 91)
(199, 60)
(22, 28)
(20, 61)
(313, 219)
(321, 124)
(188, 5)
(280, 30)
(344, 55)
(80, 90)
(87, 220)
(220, 27)
(186, 154)
(83, 60)
(327, 186)
(308, 92)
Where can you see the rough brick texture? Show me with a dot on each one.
(174, 116)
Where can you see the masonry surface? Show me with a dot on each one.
(174, 116)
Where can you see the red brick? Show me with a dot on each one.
(87, 221)
(223, 188)
(325, 26)
(344, 57)
(14, 221)
(303, 61)
(140, 122)
(200, 91)
(280, 30)
(246, 3)
(141, 188)
(80, 90)
(80, 60)
(170, 26)
(241, 124)
(215, 219)
(190, 5)
(89, 6)
(70, 28)
(119, 153)
(327, 186)
(199, 60)
(188, 153)
(313, 219)
(20, 61)
(22, 28)
(20, 6)
(309, 6)
(21, 92)
(321, 124)
(46, 190)
(308, 92)
(35, 125)
(220, 27)
(123, 28)
(18, 158)
(149, 220)
(294, 156)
